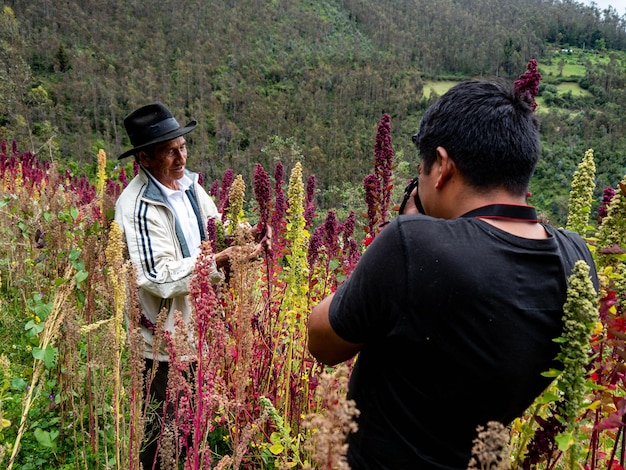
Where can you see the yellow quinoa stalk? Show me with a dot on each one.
(53, 323)
(236, 198)
(116, 276)
(295, 300)
(102, 176)
(581, 194)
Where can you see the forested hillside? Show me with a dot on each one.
(305, 78)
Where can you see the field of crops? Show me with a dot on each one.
(71, 353)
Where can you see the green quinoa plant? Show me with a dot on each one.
(581, 195)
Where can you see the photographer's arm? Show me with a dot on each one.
(324, 344)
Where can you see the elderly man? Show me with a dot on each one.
(163, 213)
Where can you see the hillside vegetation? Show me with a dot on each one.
(310, 78)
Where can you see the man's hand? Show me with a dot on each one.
(411, 207)
(264, 244)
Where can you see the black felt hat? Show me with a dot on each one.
(152, 124)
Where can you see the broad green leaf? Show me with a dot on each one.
(18, 383)
(81, 276)
(547, 397)
(564, 441)
(46, 355)
(276, 449)
(45, 438)
(42, 310)
(34, 328)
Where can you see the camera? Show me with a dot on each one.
(407, 194)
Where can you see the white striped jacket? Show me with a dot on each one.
(158, 251)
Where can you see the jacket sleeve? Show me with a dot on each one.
(153, 248)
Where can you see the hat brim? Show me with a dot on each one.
(162, 138)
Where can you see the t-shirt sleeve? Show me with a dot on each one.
(577, 250)
(364, 306)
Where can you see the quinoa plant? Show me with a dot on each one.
(581, 195)
(244, 390)
(378, 185)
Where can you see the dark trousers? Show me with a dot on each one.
(154, 393)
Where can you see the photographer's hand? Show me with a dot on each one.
(410, 207)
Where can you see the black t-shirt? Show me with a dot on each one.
(458, 319)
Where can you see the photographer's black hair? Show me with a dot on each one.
(490, 132)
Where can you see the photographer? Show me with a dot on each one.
(454, 307)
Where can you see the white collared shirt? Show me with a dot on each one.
(178, 201)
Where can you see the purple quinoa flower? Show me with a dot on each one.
(310, 189)
(262, 194)
(372, 191)
(352, 257)
(280, 206)
(383, 161)
(315, 243)
(227, 181)
(528, 83)
(211, 232)
(347, 228)
(607, 197)
(113, 189)
(214, 190)
(543, 444)
(330, 233)
(123, 178)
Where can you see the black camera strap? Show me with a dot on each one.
(504, 212)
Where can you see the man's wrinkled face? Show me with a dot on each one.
(167, 164)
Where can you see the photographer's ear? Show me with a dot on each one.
(444, 166)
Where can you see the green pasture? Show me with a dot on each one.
(439, 87)
(573, 87)
(569, 69)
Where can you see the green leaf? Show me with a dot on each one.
(45, 438)
(276, 449)
(42, 310)
(564, 441)
(74, 213)
(551, 373)
(34, 328)
(547, 397)
(74, 254)
(46, 355)
(18, 383)
(80, 277)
